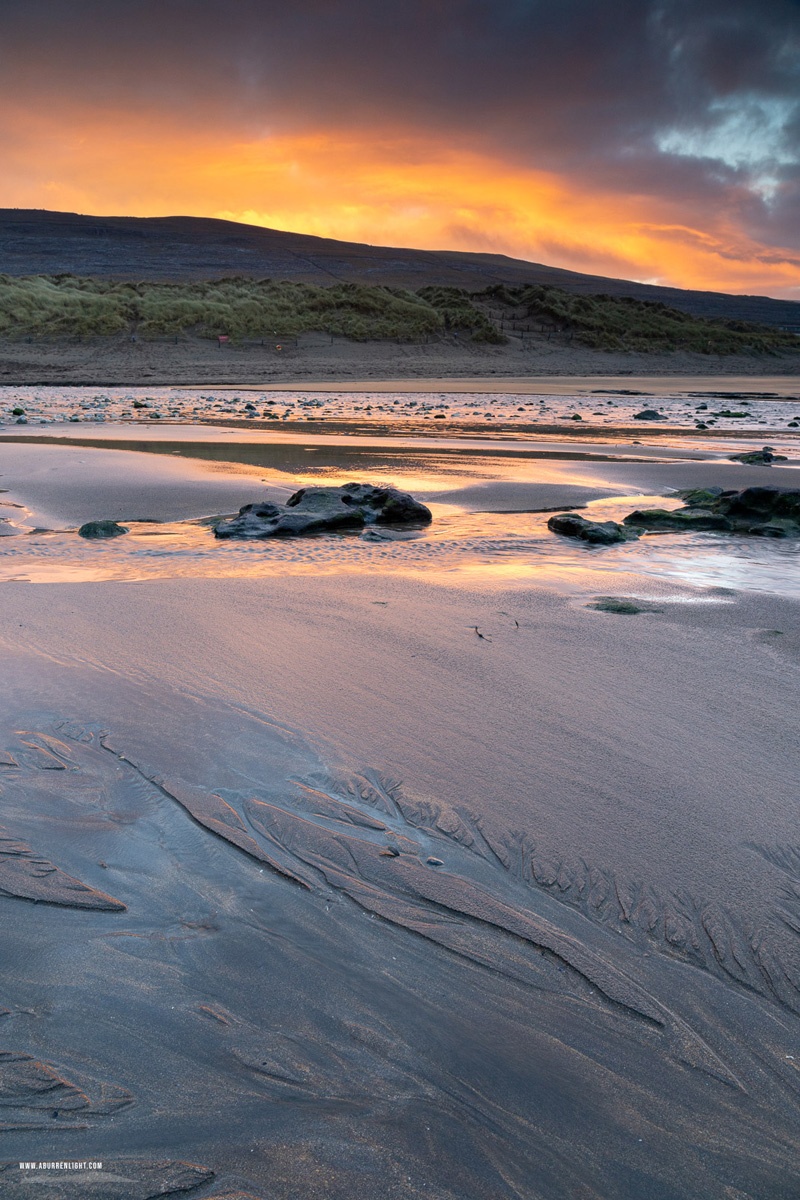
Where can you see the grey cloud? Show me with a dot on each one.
(578, 87)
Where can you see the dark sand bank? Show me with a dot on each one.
(408, 912)
(115, 360)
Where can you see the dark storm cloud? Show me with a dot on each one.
(687, 99)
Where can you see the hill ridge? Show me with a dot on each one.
(46, 242)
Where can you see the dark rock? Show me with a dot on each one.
(760, 511)
(102, 529)
(758, 457)
(273, 520)
(775, 529)
(322, 509)
(600, 533)
(700, 497)
(678, 518)
(760, 502)
(648, 414)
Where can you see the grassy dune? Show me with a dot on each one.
(53, 306)
(621, 323)
(67, 305)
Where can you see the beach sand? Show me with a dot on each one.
(408, 911)
(110, 361)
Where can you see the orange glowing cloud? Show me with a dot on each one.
(400, 188)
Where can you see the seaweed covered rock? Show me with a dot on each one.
(678, 518)
(760, 511)
(759, 503)
(758, 458)
(623, 605)
(700, 497)
(323, 509)
(598, 533)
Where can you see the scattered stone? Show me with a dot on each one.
(102, 529)
(648, 414)
(323, 509)
(598, 533)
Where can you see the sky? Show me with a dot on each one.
(656, 140)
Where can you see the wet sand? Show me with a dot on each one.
(407, 911)
(658, 383)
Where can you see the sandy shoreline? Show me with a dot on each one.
(317, 360)
(659, 383)
(408, 911)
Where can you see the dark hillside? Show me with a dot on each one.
(37, 242)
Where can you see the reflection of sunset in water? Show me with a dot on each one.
(490, 502)
(481, 549)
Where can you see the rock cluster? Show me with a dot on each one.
(325, 509)
(759, 511)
